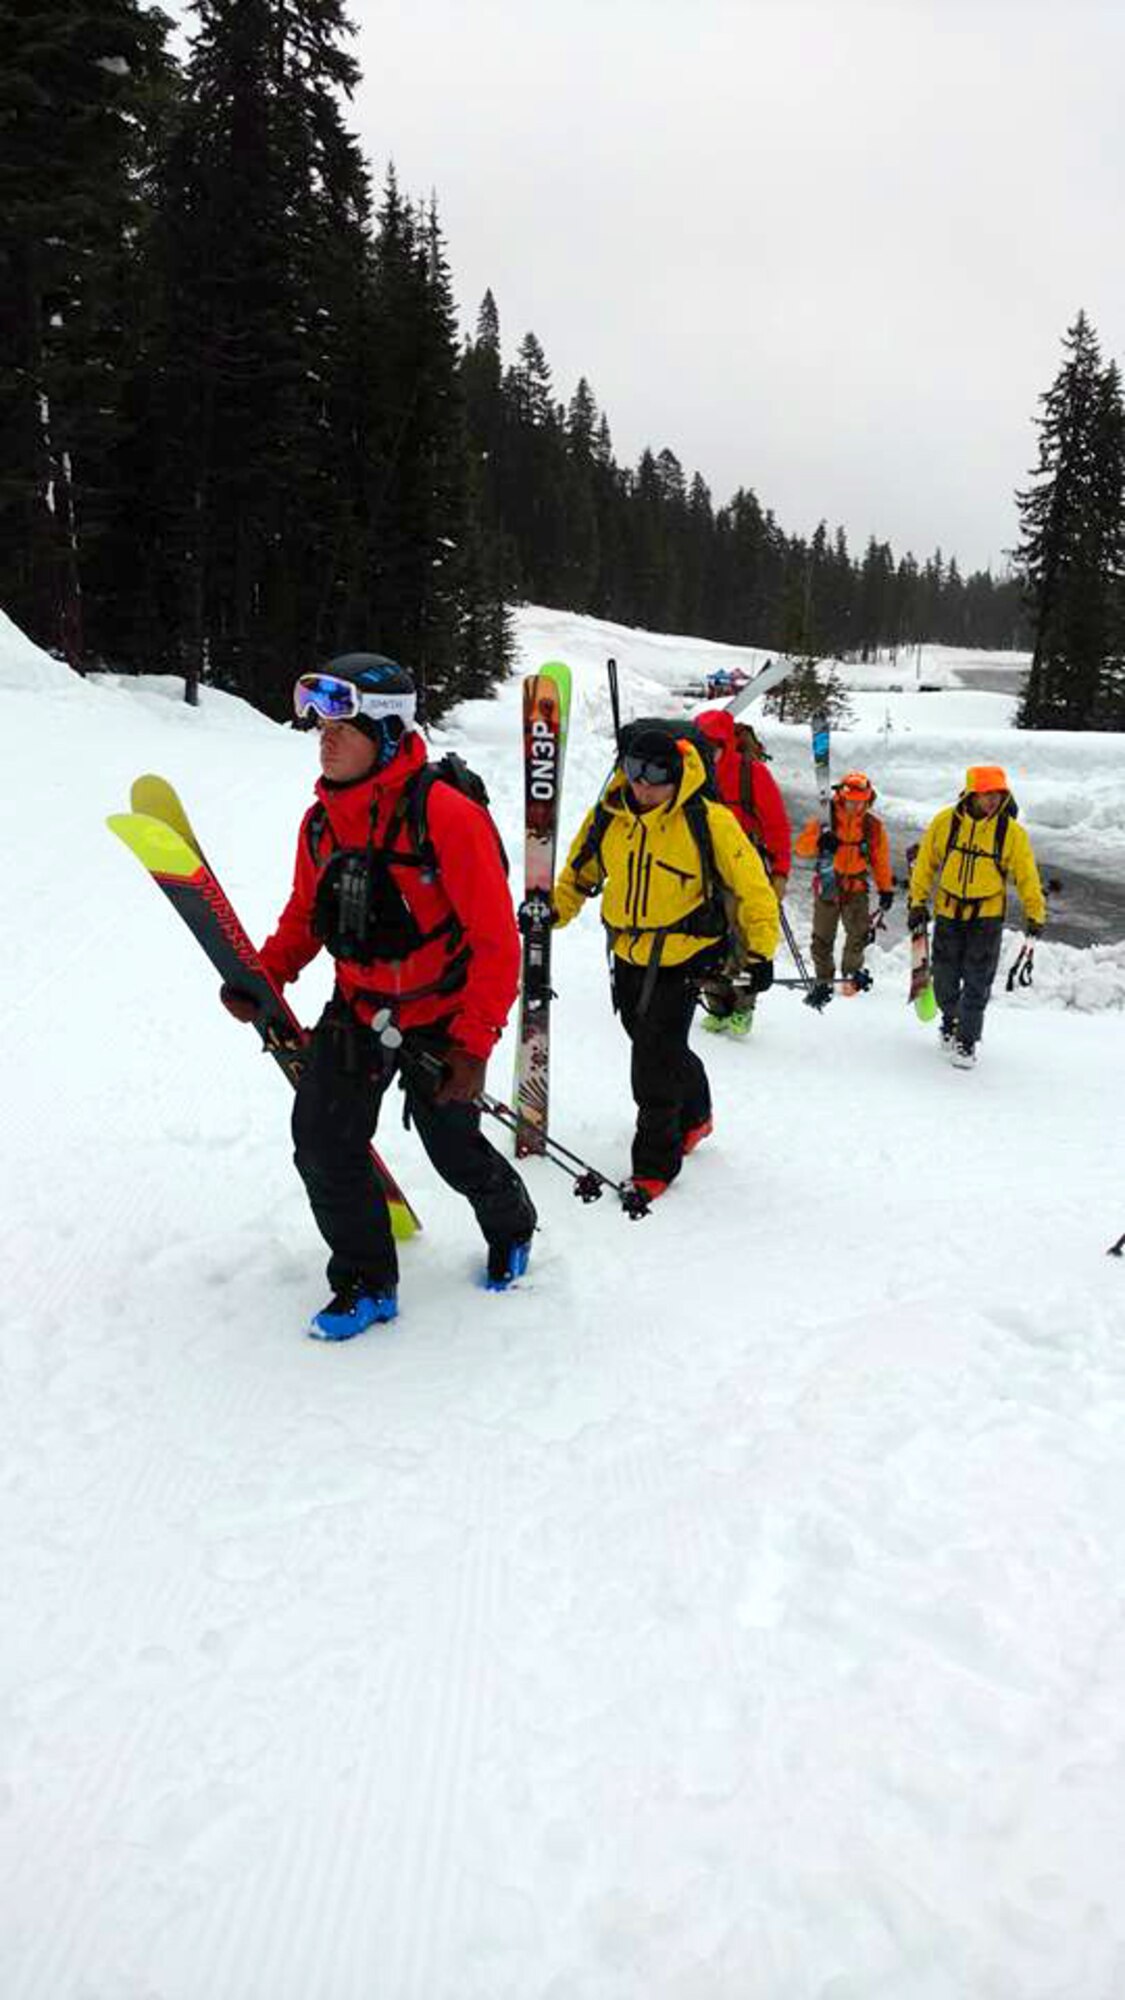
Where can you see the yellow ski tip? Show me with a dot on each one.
(158, 799)
(157, 846)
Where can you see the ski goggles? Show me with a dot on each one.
(647, 770)
(335, 700)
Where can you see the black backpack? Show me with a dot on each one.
(1007, 813)
(713, 912)
(449, 770)
(679, 730)
(360, 912)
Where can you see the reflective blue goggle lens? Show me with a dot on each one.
(322, 694)
(645, 771)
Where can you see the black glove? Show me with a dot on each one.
(917, 917)
(886, 898)
(758, 975)
(243, 1006)
(1033, 929)
(464, 1075)
(827, 842)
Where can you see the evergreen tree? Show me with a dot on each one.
(253, 398)
(81, 83)
(581, 548)
(1071, 544)
(536, 486)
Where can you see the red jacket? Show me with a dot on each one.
(470, 882)
(749, 790)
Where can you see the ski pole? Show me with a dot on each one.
(615, 704)
(1020, 971)
(1022, 967)
(798, 956)
(589, 1182)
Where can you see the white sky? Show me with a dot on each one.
(825, 248)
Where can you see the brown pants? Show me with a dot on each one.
(852, 911)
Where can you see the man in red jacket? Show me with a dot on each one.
(401, 879)
(744, 784)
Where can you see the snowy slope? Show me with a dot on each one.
(735, 1609)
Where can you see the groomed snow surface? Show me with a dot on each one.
(732, 1612)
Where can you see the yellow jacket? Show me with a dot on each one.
(963, 862)
(650, 876)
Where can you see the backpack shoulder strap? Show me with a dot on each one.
(1004, 819)
(319, 837)
(956, 821)
(591, 848)
(698, 819)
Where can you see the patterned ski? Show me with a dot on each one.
(824, 874)
(176, 865)
(546, 714)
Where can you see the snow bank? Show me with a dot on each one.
(732, 1609)
(25, 666)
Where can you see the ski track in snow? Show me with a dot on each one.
(733, 1608)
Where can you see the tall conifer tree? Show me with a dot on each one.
(80, 82)
(1071, 543)
(260, 245)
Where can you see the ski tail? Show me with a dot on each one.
(769, 677)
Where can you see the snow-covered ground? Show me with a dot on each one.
(733, 1610)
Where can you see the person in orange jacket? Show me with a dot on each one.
(857, 843)
(415, 909)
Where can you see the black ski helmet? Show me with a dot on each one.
(374, 673)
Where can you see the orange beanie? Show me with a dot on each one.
(986, 778)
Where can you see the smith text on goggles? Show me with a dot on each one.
(341, 701)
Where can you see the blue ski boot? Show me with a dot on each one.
(506, 1262)
(352, 1310)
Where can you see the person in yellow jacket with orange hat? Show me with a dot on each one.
(857, 842)
(966, 857)
(683, 891)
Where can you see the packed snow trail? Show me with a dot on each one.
(733, 1607)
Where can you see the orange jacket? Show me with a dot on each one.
(863, 845)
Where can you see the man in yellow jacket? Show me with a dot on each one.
(681, 887)
(969, 851)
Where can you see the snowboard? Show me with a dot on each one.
(157, 830)
(921, 996)
(546, 714)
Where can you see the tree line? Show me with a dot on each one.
(239, 430)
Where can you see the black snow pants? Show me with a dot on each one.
(337, 1108)
(964, 955)
(670, 1087)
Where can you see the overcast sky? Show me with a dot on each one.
(824, 248)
